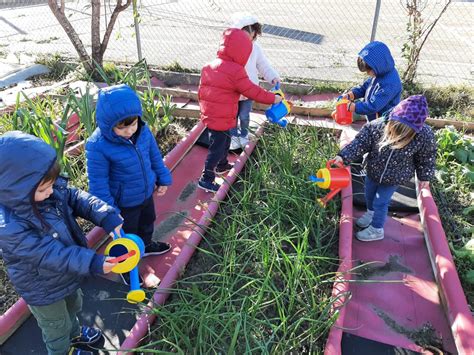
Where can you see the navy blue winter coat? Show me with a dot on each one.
(393, 166)
(123, 173)
(383, 92)
(44, 250)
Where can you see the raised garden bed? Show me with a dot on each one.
(262, 278)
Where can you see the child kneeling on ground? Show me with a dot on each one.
(44, 249)
(397, 146)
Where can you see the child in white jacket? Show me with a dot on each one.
(256, 64)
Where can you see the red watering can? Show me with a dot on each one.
(333, 179)
(342, 115)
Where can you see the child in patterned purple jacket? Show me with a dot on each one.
(398, 145)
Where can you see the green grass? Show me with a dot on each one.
(262, 280)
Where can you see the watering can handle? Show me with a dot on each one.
(333, 162)
(122, 234)
(277, 86)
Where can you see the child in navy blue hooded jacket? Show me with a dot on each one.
(43, 247)
(398, 145)
(125, 165)
(382, 90)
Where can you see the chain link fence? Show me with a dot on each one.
(316, 39)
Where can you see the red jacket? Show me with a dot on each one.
(225, 79)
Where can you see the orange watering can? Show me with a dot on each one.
(342, 115)
(334, 179)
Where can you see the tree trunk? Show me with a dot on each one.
(98, 48)
(58, 11)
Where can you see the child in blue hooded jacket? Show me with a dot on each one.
(382, 90)
(398, 145)
(124, 163)
(43, 247)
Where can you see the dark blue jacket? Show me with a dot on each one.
(123, 173)
(393, 166)
(383, 92)
(43, 247)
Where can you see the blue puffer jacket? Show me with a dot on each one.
(43, 247)
(122, 173)
(393, 166)
(383, 92)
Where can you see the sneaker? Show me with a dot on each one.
(88, 336)
(208, 186)
(77, 351)
(224, 169)
(365, 220)
(126, 278)
(243, 142)
(156, 248)
(370, 234)
(235, 143)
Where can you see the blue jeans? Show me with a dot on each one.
(217, 154)
(243, 116)
(59, 323)
(378, 197)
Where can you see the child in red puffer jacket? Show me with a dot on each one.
(222, 82)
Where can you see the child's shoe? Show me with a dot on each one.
(208, 186)
(370, 234)
(224, 169)
(235, 143)
(156, 248)
(89, 336)
(243, 142)
(365, 220)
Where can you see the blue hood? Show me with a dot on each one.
(378, 57)
(114, 104)
(25, 160)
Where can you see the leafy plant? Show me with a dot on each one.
(455, 200)
(35, 117)
(84, 107)
(167, 107)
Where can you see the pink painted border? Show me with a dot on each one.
(141, 327)
(455, 303)
(13, 317)
(456, 307)
(340, 291)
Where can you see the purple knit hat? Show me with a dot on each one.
(412, 111)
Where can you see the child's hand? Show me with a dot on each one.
(351, 107)
(338, 160)
(278, 99)
(108, 266)
(116, 230)
(160, 191)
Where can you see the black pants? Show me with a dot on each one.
(140, 220)
(217, 155)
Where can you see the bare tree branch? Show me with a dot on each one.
(118, 9)
(58, 12)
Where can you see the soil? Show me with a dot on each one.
(167, 140)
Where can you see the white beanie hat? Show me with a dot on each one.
(242, 19)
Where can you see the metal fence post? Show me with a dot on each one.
(137, 30)
(376, 20)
